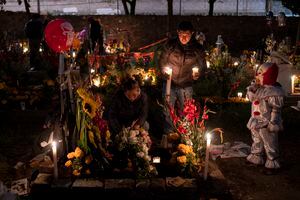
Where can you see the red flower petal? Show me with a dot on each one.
(256, 102)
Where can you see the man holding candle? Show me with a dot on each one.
(182, 61)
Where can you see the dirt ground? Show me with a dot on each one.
(20, 129)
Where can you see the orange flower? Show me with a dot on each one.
(88, 159)
(184, 149)
(71, 155)
(78, 153)
(76, 172)
(68, 163)
(181, 160)
(88, 171)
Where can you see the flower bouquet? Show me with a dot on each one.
(136, 145)
(91, 134)
(190, 136)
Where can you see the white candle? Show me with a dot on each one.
(195, 70)
(208, 64)
(240, 94)
(168, 71)
(293, 83)
(156, 159)
(208, 140)
(54, 151)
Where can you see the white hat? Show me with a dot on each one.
(297, 107)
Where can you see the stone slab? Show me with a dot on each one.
(43, 179)
(110, 184)
(87, 183)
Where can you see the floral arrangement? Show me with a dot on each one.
(136, 143)
(190, 136)
(79, 162)
(92, 134)
(190, 129)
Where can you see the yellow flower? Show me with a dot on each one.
(181, 159)
(82, 93)
(107, 135)
(90, 107)
(68, 163)
(76, 172)
(88, 159)
(78, 153)
(184, 149)
(71, 155)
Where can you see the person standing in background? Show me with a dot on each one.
(34, 30)
(96, 36)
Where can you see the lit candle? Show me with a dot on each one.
(74, 54)
(156, 159)
(240, 94)
(96, 81)
(54, 151)
(208, 140)
(293, 83)
(195, 70)
(236, 63)
(208, 64)
(168, 71)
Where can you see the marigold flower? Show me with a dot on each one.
(76, 172)
(88, 171)
(184, 149)
(88, 159)
(71, 155)
(78, 153)
(68, 163)
(181, 159)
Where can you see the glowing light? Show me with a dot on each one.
(156, 159)
(240, 94)
(25, 49)
(208, 64)
(96, 81)
(236, 63)
(168, 71)
(92, 71)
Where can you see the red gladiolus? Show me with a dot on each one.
(182, 130)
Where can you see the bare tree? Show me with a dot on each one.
(132, 4)
(211, 7)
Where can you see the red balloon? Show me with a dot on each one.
(59, 35)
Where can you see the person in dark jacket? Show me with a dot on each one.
(34, 30)
(181, 54)
(96, 36)
(129, 108)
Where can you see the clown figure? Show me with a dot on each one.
(265, 122)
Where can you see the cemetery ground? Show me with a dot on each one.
(21, 130)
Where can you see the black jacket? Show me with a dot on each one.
(182, 58)
(123, 112)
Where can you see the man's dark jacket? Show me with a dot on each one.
(182, 58)
(123, 112)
